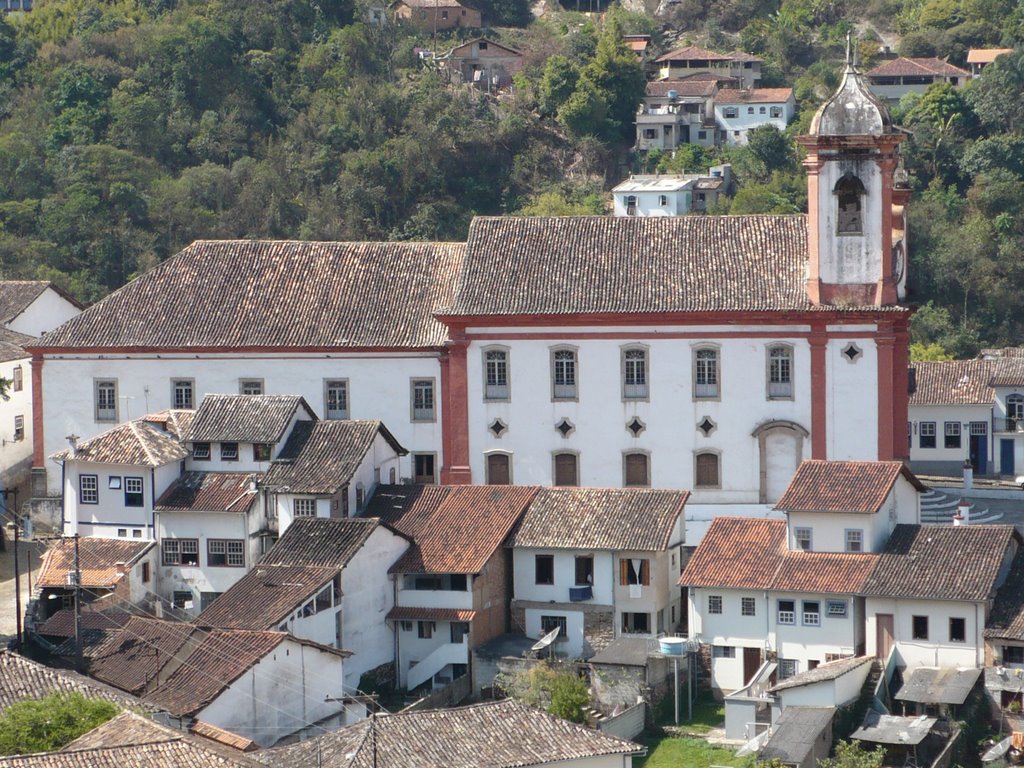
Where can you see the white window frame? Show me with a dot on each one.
(715, 604)
(636, 372)
(19, 428)
(951, 429)
(201, 451)
(927, 429)
(707, 372)
(88, 489)
(423, 399)
(303, 506)
(810, 613)
(854, 538)
(229, 455)
(181, 386)
(836, 609)
(779, 382)
(787, 615)
(565, 373)
(497, 373)
(233, 551)
(332, 388)
(798, 537)
(134, 485)
(249, 386)
(105, 406)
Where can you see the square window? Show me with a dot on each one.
(182, 600)
(714, 603)
(787, 612)
(114, 483)
(425, 629)
(551, 623)
(122, 533)
(106, 400)
(723, 651)
(705, 374)
(802, 538)
(182, 394)
(927, 434)
(952, 434)
(406, 626)
(628, 574)
(88, 489)
(229, 451)
(201, 451)
(261, 451)
(336, 399)
(957, 630)
(423, 400)
(496, 374)
(133, 492)
(837, 609)
(854, 540)
(304, 507)
(748, 606)
(811, 613)
(919, 627)
(563, 374)
(787, 668)
(636, 623)
(544, 569)
(250, 386)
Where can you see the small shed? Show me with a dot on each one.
(936, 691)
(906, 740)
(631, 668)
(801, 737)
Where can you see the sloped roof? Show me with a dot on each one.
(407, 613)
(754, 96)
(17, 295)
(693, 52)
(122, 730)
(953, 382)
(265, 596)
(500, 734)
(62, 623)
(97, 560)
(859, 487)
(795, 734)
(210, 492)
(466, 45)
(1008, 372)
(454, 529)
(691, 87)
(138, 443)
(22, 678)
(320, 541)
(321, 457)
(132, 657)
(244, 418)
(12, 345)
(338, 295)
(941, 562)
(917, 67)
(174, 421)
(985, 55)
(830, 670)
(601, 518)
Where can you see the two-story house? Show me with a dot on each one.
(737, 112)
(484, 62)
(1008, 415)
(676, 112)
(598, 563)
(452, 586)
(893, 79)
(672, 194)
(692, 59)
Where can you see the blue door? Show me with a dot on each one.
(979, 447)
(1006, 457)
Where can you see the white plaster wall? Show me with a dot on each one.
(699, 517)
(15, 455)
(573, 645)
(202, 526)
(44, 314)
(435, 598)
(854, 258)
(602, 761)
(852, 400)
(411, 647)
(907, 502)
(379, 388)
(103, 519)
(804, 643)
(649, 203)
(287, 689)
(940, 414)
(524, 576)
(744, 122)
(937, 650)
(822, 694)
(828, 529)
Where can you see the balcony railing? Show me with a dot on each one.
(1008, 424)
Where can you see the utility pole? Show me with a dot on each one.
(7, 492)
(78, 610)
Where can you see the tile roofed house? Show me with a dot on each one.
(12, 345)
(244, 418)
(918, 561)
(181, 753)
(601, 518)
(22, 678)
(502, 734)
(98, 561)
(693, 52)
(737, 552)
(753, 95)
(137, 443)
(132, 657)
(336, 294)
(823, 672)
(123, 730)
(1007, 372)
(210, 492)
(979, 58)
(965, 382)
(320, 457)
(694, 86)
(320, 542)
(16, 296)
(922, 66)
(1006, 619)
(843, 486)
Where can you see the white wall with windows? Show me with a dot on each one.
(113, 500)
(937, 448)
(929, 633)
(378, 387)
(438, 644)
(16, 433)
(736, 120)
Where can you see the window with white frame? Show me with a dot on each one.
(730, 112)
(225, 552)
(304, 507)
(563, 374)
(133, 492)
(19, 428)
(106, 400)
(705, 374)
(836, 609)
(336, 399)
(787, 612)
(423, 400)
(802, 538)
(180, 551)
(927, 434)
(88, 489)
(780, 372)
(496, 374)
(952, 430)
(17, 381)
(854, 540)
(634, 374)
(201, 451)
(714, 603)
(1015, 407)
(775, 112)
(811, 613)
(250, 386)
(183, 393)
(229, 451)
(748, 606)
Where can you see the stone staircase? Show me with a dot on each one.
(939, 507)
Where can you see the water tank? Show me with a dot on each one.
(672, 646)
(673, 95)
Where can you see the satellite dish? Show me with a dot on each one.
(547, 640)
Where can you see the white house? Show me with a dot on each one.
(35, 307)
(739, 111)
(893, 79)
(598, 563)
(678, 111)
(325, 580)
(670, 194)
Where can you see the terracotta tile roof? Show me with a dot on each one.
(123, 730)
(62, 623)
(465, 49)
(320, 541)
(131, 659)
(601, 518)
(941, 562)
(1006, 618)
(265, 596)
(337, 295)
(221, 736)
(737, 552)
(17, 295)
(138, 443)
(985, 55)
(754, 96)
(210, 492)
(501, 734)
(1008, 372)
(174, 421)
(12, 346)
(595, 264)
(244, 418)
(960, 382)
(321, 457)
(22, 678)
(405, 613)
(751, 553)
(693, 52)
(221, 657)
(843, 486)
(168, 754)
(97, 559)
(917, 67)
(687, 87)
(823, 672)
(459, 531)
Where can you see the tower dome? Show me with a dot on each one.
(852, 110)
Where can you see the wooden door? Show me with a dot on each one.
(883, 635)
(498, 469)
(751, 663)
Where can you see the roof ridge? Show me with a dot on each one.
(135, 428)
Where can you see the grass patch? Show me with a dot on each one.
(707, 713)
(673, 752)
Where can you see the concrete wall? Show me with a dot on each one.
(627, 724)
(937, 650)
(649, 203)
(736, 128)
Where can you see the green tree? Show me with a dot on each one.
(553, 687)
(850, 754)
(569, 695)
(998, 95)
(47, 724)
(585, 112)
(617, 77)
(557, 84)
(928, 353)
(771, 149)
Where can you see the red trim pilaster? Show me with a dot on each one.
(887, 380)
(887, 293)
(812, 164)
(455, 420)
(819, 393)
(901, 390)
(38, 448)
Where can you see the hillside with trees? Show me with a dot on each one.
(129, 128)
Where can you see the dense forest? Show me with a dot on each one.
(129, 128)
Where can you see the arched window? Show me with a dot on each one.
(780, 372)
(849, 191)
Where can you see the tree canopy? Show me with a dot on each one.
(47, 724)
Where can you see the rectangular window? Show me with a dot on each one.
(19, 428)
(979, 428)
(636, 623)
(336, 399)
(836, 609)
(423, 468)
(182, 600)
(802, 537)
(957, 630)
(919, 627)
(250, 386)
(705, 374)
(106, 400)
(723, 651)
(145, 573)
(225, 552)
(706, 470)
(566, 469)
(201, 451)
(133, 492)
(854, 540)
(563, 374)
(812, 613)
(787, 668)
(544, 569)
(182, 393)
(748, 606)
(714, 603)
(634, 571)
(229, 451)
(114, 483)
(304, 507)
(18, 380)
(637, 470)
(663, 199)
(425, 630)
(780, 373)
(406, 626)
(584, 570)
(729, 112)
(551, 623)
(180, 551)
(1013, 654)
(775, 111)
(496, 374)
(927, 433)
(787, 612)
(88, 489)
(459, 631)
(423, 400)
(261, 451)
(952, 429)
(634, 374)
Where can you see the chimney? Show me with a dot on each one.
(121, 568)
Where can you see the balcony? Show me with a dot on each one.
(1007, 424)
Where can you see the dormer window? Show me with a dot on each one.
(849, 191)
